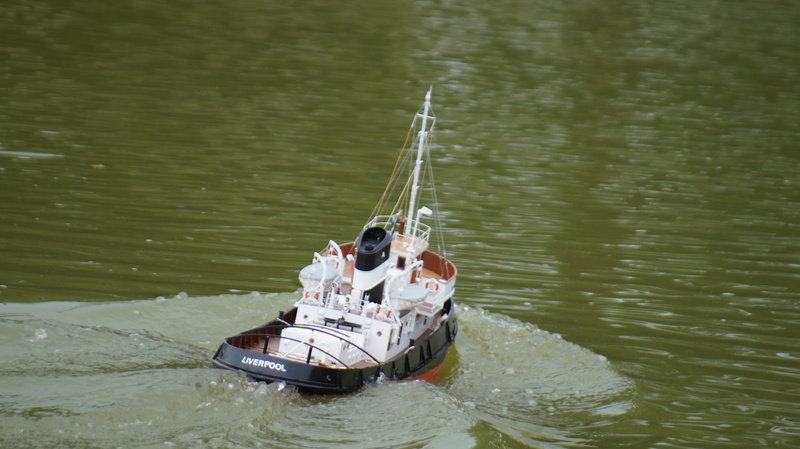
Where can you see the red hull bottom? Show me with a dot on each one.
(428, 376)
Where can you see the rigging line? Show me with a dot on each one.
(394, 171)
(402, 201)
(403, 189)
(435, 198)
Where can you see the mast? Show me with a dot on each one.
(423, 136)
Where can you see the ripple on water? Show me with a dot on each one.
(519, 377)
(137, 374)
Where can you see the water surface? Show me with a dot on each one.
(620, 174)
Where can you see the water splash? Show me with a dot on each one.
(527, 383)
(137, 374)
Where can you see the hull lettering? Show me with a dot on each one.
(275, 366)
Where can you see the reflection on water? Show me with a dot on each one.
(138, 372)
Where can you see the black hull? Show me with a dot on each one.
(424, 357)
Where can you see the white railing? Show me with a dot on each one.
(420, 230)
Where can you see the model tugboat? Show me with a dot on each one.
(377, 308)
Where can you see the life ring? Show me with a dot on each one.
(432, 285)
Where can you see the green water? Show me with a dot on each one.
(621, 182)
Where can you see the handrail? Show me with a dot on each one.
(321, 329)
(420, 229)
(312, 347)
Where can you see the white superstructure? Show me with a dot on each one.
(368, 301)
